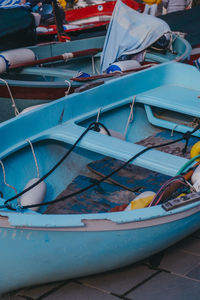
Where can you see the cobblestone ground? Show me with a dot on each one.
(176, 277)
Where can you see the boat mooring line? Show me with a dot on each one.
(69, 86)
(4, 178)
(35, 158)
(16, 111)
(130, 117)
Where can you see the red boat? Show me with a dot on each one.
(92, 13)
(85, 22)
(97, 12)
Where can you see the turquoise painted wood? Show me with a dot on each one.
(38, 247)
(37, 85)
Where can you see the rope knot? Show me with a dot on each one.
(96, 127)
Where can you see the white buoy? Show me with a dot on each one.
(35, 196)
(140, 201)
(3, 65)
(123, 65)
(27, 109)
(113, 133)
(196, 179)
(15, 56)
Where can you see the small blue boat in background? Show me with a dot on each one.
(56, 158)
(35, 84)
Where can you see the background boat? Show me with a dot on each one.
(84, 22)
(187, 24)
(80, 22)
(24, 87)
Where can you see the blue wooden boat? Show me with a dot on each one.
(80, 235)
(39, 84)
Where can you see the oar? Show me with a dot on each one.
(117, 73)
(64, 56)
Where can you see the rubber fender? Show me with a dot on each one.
(141, 201)
(123, 65)
(195, 179)
(15, 56)
(3, 65)
(195, 150)
(27, 109)
(113, 133)
(35, 196)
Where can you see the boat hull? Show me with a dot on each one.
(25, 97)
(99, 246)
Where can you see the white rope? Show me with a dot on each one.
(66, 56)
(193, 189)
(130, 117)
(34, 156)
(172, 132)
(98, 115)
(16, 111)
(4, 178)
(69, 86)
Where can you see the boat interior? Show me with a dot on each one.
(122, 127)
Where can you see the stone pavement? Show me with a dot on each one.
(176, 278)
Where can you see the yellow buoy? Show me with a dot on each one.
(62, 3)
(195, 150)
(141, 201)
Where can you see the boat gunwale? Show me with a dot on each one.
(36, 84)
(108, 221)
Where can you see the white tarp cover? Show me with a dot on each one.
(130, 32)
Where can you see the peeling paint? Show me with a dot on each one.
(4, 233)
(28, 236)
(14, 233)
(46, 238)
